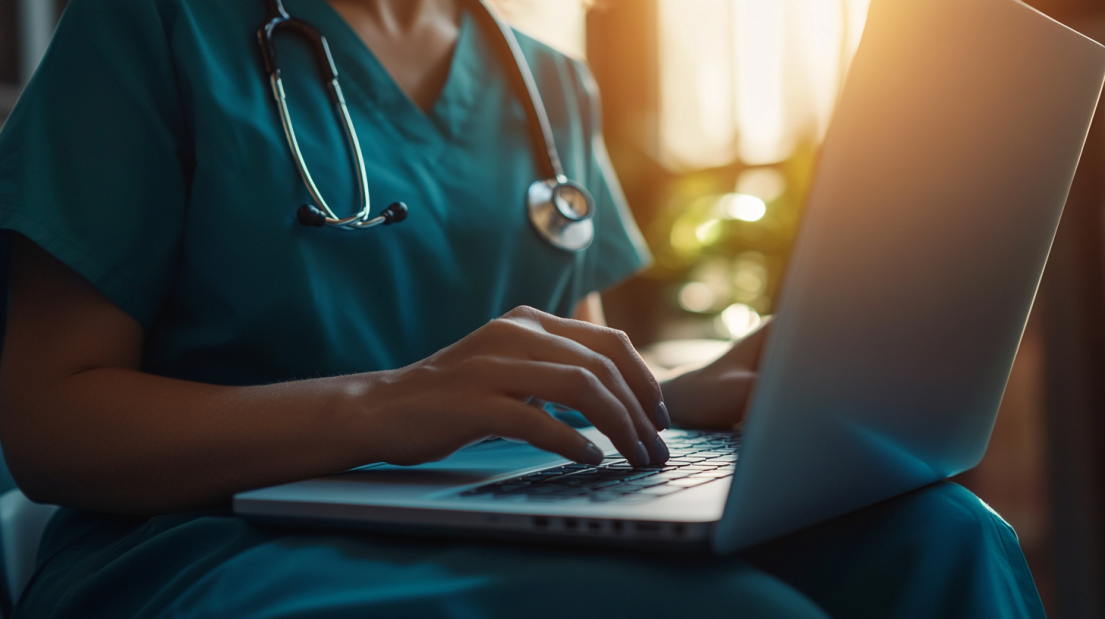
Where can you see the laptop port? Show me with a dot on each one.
(541, 522)
(595, 525)
(679, 530)
(571, 524)
(618, 526)
(648, 527)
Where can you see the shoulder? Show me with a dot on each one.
(122, 20)
(120, 14)
(552, 67)
(543, 57)
(534, 48)
(167, 8)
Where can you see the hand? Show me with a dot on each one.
(716, 396)
(477, 388)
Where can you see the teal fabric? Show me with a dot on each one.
(935, 552)
(146, 154)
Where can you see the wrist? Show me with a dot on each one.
(350, 418)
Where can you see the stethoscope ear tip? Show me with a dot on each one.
(309, 215)
(394, 213)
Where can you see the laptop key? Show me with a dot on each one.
(604, 483)
(658, 490)
(669, 475)
(640, 475)
(689, 482)
(710, 475)
(638, 484)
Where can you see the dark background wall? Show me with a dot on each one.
(9, 43)
(1072, 305)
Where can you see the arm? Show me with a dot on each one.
(589, 309)
(84, 426)
(716, 396)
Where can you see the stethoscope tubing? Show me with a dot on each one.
(352, 222)
(526, 89)
(558, 224)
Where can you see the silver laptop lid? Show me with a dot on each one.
(939, 190)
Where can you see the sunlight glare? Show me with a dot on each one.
(743, 207)
(740, 320)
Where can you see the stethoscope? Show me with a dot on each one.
(559, 209)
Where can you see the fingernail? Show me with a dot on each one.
(660, 450)
(594, 455)
(640, 454)
(662, 419)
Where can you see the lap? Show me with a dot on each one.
(216, 565)
(934, 544)
(935, 552)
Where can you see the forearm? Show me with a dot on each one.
(123, 441)
(83, 426)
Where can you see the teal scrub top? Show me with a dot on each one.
(147, 154)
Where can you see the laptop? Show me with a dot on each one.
(936, 198)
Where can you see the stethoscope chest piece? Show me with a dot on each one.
(560, 211)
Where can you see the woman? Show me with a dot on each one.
(175, 336)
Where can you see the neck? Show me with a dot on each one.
(413, 39)
(401, 17)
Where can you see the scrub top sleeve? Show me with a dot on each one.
(93, 159)
(618, 250)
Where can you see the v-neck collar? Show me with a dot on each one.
(363, 75)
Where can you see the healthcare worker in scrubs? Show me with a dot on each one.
(175, 335)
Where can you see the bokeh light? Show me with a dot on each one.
(767, 184)
(749, 277)
(743, 207)
(708, 232)
(697, 297)
(738, 320)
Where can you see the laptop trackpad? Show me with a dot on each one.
(472, 465)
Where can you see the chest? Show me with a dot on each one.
(414, 42)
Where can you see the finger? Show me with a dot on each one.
(529, 338)
(526, 334)
(552, 348)
(570, 385)
(509, 418)
(615, 346)
(609, 374)
(525, 329)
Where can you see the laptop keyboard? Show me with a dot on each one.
(697, 458)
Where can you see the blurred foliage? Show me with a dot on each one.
(694, 242)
